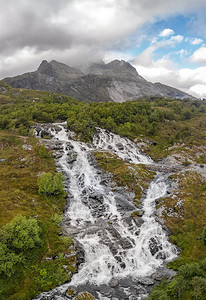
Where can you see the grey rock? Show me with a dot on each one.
(138, 221)
(2, 159)
(113, 282)
(154, 246)
(146, 281)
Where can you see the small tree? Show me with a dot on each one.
(9, 261)
(51, 184)
(21, 234)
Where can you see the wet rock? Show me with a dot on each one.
(154, 246)
(138, 221)
(120, 146)
(126, 243)
(118, 258)
(71, 157)
(157, 276)
(45, 133)
(146, 281)
(105, 290)
(58, 154)
(113, 282)
(123, 203)
(122, 265)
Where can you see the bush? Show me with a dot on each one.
(43, 152)
(203, 236)
(57, 219)
(9, 261)
(190, 270)
(198, 287)
(51, 184)
(21, 234)
(16, 237)
(158, 295)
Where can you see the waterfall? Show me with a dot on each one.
(117, 247)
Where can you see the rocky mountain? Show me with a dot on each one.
(116, 81)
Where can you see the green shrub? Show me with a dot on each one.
(16, 238)
(158, 295)
(21, 234)
(203, 236)
(9, 260)
(51, 184)
(203, 264)
(198, 287)
(57, 219)
(190, 270)
(43, 152)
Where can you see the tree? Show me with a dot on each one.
(21, 234)
(51, 184)
(8, 260)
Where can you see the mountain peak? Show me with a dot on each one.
(46, 68)
(114, 81)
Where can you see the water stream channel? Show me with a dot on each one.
(123, 256)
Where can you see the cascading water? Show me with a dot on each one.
(116, 246)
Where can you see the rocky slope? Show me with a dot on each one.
(116, 81)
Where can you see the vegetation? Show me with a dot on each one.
(31, 190)
(51, 184)
(29, 234)
(133, 177)
(185, 214)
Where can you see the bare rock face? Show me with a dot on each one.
(116, 81)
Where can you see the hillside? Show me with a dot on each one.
(116, 81)
(172, 132)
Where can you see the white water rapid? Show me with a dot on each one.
(119, 250)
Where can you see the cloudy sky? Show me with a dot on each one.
(164, 40)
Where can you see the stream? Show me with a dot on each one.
(123, 256)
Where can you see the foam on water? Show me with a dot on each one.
(115, 249)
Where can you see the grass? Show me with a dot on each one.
(134, 178)
(188, 218)
(19, 169)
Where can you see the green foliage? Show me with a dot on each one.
(9, 260)
(51, 184)
(16, 237)
(203, 236)
(50, 275)
(158, 295)
(57, 219)
(198, 287)
(43, 152)
(21, 234)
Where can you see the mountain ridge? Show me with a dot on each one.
(116, 81)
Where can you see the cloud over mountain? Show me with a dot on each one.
(75, 31)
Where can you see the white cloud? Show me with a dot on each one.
(196, 41)
(199, 89)
(112, 55)
(61, 26)
(166, 32)
(183, 53)
(177, 38)
(199, 56)
(192, 81)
